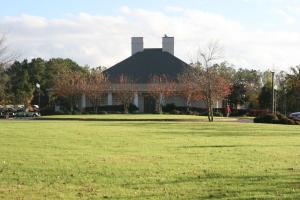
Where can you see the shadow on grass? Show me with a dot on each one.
(204, 129)
(234, 146)
(228, 187)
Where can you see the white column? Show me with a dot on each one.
(83, 101)
(57, 108)
(109, 99)
(161, 98)
(160, 103)
(136, 99)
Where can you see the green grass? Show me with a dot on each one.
(129, 116)
(148, 160)
(139, 117)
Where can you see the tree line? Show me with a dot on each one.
(64, 81)
(64, 78)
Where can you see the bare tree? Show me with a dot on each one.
(6, 56)
(214, 86)
(125, 90)
(189, 86)
(95, 85)
(160, 87)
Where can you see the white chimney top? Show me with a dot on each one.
(137, 45)
(168, 44)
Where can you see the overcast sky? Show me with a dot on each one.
(261, 34)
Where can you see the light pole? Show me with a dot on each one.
(284, 101)
(273, 93)
(38, 86)
(275, 99)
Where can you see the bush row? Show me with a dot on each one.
(115, 109)
(275, 119)
(181, 110)
(173, 109)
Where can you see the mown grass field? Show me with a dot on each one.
(148, 160)
(128, 116)
(131, 116)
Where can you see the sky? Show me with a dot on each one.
(259, 34)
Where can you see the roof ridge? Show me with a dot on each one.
(152, 48)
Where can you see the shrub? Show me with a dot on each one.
(218, 114)
(195, 113)
(113, 109)
(239, 113)
(291, 122)
(275, 119)
(267, 118)
(169, 108)
(76, 112)
(47, 111)
(281, 116)
(133, 108)
(59, 113)
(284, 120)
(203, 113)
(175, 112)
(256, 113)
(192, 113)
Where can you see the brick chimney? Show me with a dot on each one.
(168, 44)
(137, 45)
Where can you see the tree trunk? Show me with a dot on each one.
(125, 108)
(188, 103)
(71, 104)
(211, 111)
(212, 114)
(209, 114)
(160, 103)
(160, 108)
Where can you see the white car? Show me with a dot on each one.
(295, 115)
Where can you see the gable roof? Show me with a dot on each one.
(142, 65)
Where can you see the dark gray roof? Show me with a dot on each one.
(141, 66)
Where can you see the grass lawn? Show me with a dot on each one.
(141, 117)
(129, 116)
(148, 160)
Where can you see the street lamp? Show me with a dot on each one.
(38, 86)
(275, 98)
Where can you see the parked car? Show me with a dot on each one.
(27, 114)
(295, 116)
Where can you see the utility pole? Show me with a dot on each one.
(273, 94)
